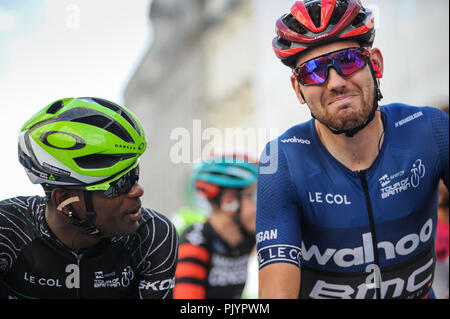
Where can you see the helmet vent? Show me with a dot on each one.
(293, 24)
(55, 107)
(117, 109)
(315, 12)
(359, 19)
(108, 104)
(338, 12)
(284, 44)
(107, 124)
(98, 161)
(131, 121)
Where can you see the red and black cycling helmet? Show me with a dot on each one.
(316, 22)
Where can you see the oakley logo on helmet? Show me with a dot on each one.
(62, 140)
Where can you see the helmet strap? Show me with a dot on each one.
(236, 206)
(88, 224)
(248, 236)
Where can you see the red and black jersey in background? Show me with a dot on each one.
(208, 267)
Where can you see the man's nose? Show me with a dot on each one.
(335, 80)
(136, 191)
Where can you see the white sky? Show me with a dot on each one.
(57, 48)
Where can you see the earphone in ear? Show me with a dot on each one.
(68, 202)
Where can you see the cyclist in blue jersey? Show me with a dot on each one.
(89, 237)
(347, 201)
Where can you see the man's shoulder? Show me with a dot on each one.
(23, 201)
(155, 229)
(402, 114)
(298, 141)
(155, 222)
(297, 137)
(297, 134)
(21, 207)
(18, 226)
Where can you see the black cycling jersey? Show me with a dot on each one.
(35, 264)
(209, 267)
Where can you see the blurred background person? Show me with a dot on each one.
(213, 255)
(196, 211)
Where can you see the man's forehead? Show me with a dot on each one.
(324, 49)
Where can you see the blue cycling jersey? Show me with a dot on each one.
(315, 213)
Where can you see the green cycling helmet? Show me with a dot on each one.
(224, 171)
(85, 143)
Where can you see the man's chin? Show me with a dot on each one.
(348, 126)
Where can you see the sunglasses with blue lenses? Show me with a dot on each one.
(124, 184)
(345, 62)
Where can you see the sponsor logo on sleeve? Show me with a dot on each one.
(295, 139)
(408, 119)
(279, 253)
(158, 285)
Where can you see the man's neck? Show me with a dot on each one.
(70, 235)
(226, 228)
(358, 152)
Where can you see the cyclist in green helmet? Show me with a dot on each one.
(89, 237)
(213, 255)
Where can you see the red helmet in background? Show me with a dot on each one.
(316, 22)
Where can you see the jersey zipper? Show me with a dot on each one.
(78, 258)
(362, 177)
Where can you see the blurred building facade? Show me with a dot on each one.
(193, 75)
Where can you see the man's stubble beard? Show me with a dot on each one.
(351, 118)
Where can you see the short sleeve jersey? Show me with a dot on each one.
(340, 226)
(35, 264)
(209, 267)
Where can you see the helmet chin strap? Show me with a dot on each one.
(377, 97)
(88, 224)
(236, 206)
(248, 236)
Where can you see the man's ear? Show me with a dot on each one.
(377, 62)
(61, 198)
(58, 196)
(297, 89)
